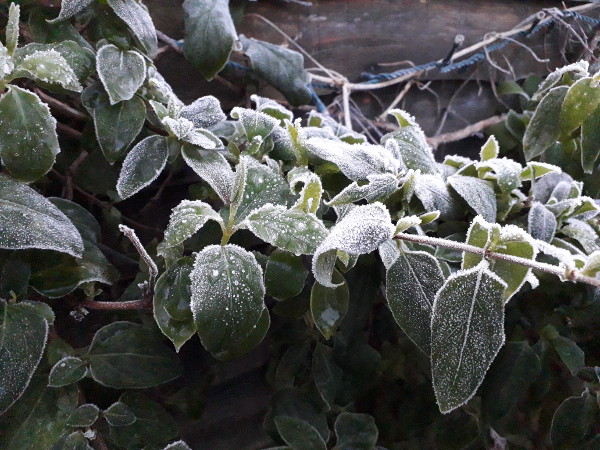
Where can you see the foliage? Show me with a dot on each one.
(297, 234)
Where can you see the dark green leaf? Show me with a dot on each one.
(121, 72)
(590, 136)
(479, 195)
(434, 194)
(570, 353)
(328, 305)
(250, 342)
(544, 128)
(296, 404)
(280, 67)
(73, 441)
(186, 219)
(327, 374)
(119, 415)
(284, 266)
(128, 355)
(254, 123)
(68, 8)
(86, 224)
(467, 331)
(135, 15)
(411, 284)
(572, 421)
(29, 144)
(68, 370)
(227, 296)
(14, 278)
(213, 168)
(84, 416)
(153, 426)
(298, 434)
(23, 333)
(380, 187)
(209, 35)
(355, 431)
(541, 223)
(143, 165)
(580, 102)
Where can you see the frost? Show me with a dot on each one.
(122, 73)
(272, 108)
(49, 66)
(389, 252)
(538, 169)
(6, 62)
(506, 172)
(541, 223)
(179, 445)
(186, 219)
(579, 68)
(136, 16)
(310, 195)
(68, 8)
(490, 149)
(434, 194)
(380, 187)
(478, 194)
(592, 264)
(184, 130)
(467, 331)
(142, 165)
(362, 230)
(407, 222)
(213, 168)
(203, 112)
(254, 123)
(291, 230)
(583, 233)
(30, 221)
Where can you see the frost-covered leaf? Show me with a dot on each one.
(433, 193)
(490, 149)
(84, 416)
(136, 16)
(411, 284)
(209, 35)
(379, 188)
(582, 232)
(29, 143)
(227, 296)
(187, 218)
(23, 332)
(171, 304)
(536, 169)
(406, 222)
(389, 252)
(48, 66)
(291, 230)
(590, 136)
(282, 265)
(592, 264)
(184, 130)
(179, 445)
(213, 168)
(541, 223)
(118, 125)
(572, 422)
(12, 27)
(544, 128)
(329, 304)
(355, 431)
(204, 112)
(30, 221)
(467, 331)
(478, 194)
(576, 70)
(581, 101)
(121, 72)
(272, 108)
(143, 165)
(260, 185)
(254, 123)
(68, 8)
(298, 434)
(356, 161)
(6, 62)
(118, 415)
(127, 355)
(506, 172)
(280, 67)
(68, 370)
(362, 230)
(312, 189)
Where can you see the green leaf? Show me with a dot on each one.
(310, 195)
(68, 370)
(12, 27)
(296, 404)
(544, 128)
(84, 416)
(23, 333)
(29, 144)
(329, 305)
(204, 112)
(171, 304)
(121, 72)
(590, 136)
(379, 188)
(541, 223)
(572, 421)
(282, 265)
(327, 374)
(298, 434)
(118, 125)
(291, 230)
(506, 173)
(571, 71)
(592, 264)
(73, 441)
(119, 415)
(209, 35)
(582, 99)
(48, 66)
(467, 331)
(355, 431)
(187, 218)
(136, 16)
(569, 352)
(434, 194)
(227, 296)
(84, 221)
(127, 355)
(142, 165)
(254, 123)
(179, 445)
(360, 231)
(6, 62)
(478, 194)
(412, 144)
(153, 426)
(280, 67)
(69, 8)
(411, 284)
(213, 168)
(30, 221)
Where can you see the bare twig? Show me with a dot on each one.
(68, 131)
(59, 106)
(572, 274)
(465, 132)
(397, 100)
(68, 190)
(130, 234)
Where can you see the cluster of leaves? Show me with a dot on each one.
(299, 224)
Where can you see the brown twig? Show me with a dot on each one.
(68, 131)
(475, 128)
(59, 106)
(68, 190)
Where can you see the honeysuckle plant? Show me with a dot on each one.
(296, 232)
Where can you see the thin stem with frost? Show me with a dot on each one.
(573, 274)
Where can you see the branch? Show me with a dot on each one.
(131, 304)
(561, 272)
(475, 128)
